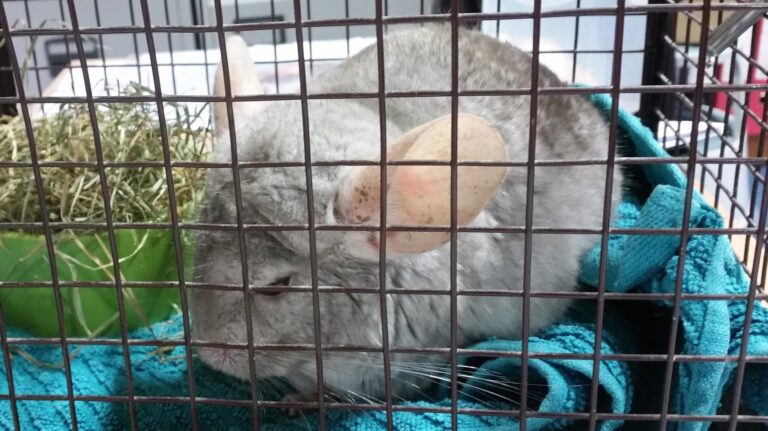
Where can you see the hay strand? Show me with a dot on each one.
(129, 132)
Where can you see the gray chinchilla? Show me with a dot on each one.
(567, 127)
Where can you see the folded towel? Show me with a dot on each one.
(648, 263)
(642, 263)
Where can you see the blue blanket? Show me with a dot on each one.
(635, 262)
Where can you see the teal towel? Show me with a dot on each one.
(640, 263)
(648, 263)
(98, 370)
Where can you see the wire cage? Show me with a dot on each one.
(107, 112)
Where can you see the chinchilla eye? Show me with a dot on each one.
(280, 282)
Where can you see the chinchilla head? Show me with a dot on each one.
(274, 209)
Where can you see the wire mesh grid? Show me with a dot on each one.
(710, 117)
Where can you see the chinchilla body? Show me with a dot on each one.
(568, 127)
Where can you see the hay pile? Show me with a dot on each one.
(130, 132)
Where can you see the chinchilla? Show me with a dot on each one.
(491, 127)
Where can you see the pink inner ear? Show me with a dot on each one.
(411, 180)
(420, 195)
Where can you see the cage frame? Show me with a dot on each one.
(655, 91)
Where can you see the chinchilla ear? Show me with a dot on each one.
(421, 195)
(243, 81)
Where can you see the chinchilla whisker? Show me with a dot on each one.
(503, 382)
(445, 382)
(379, 369)
(328, 391)
(340, 359)
(441, 367)
(510, 386)
(514, 388)
(436, 379)
(431, 372)
(439, 379)
(414, 370)
(367, 398)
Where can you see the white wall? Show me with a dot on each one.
(595, 34)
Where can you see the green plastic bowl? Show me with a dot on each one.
(145, 256)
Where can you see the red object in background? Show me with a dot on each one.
(720, 97)
(757, 99)
(757, 104)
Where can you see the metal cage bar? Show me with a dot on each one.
(310, 214)
(50, 248)
(383, 307)
(684, 235)
(104, 186)
(174, 213)
(241, 237)
(412, 19)
(610, 166)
